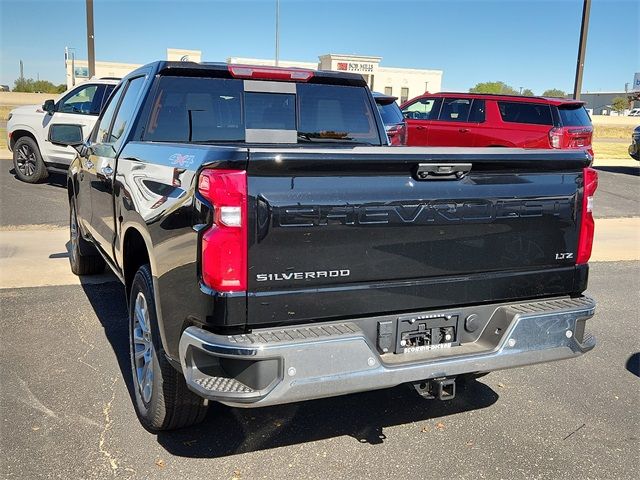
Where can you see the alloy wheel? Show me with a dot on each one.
(142, 348)
(26, 160)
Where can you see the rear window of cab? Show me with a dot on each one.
(196, 109)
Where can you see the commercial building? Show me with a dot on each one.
(601, 103)
(403, 83)
(78, 70)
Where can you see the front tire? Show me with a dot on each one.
(163, 400)
(83, 257)
(27, 161)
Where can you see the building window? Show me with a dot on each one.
(404, 94)
(388, 91)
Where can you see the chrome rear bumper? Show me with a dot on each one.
(328, 359)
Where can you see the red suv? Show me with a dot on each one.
(482, 120)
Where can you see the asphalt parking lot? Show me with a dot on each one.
(66, 409)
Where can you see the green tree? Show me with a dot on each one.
(527, 92)
(554, 92)
(620, 104)
(30, 85)
(493, 87)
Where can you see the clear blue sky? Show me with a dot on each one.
(532, 44)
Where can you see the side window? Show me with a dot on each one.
(455, 110)
(477, 113)
(518, 112)
(423, 109)
(101, 132)
(80, 101)
(125, 112)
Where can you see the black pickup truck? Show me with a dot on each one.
(275, 248)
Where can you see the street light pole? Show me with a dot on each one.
(90, 38)
(277, 32)
(582, 49)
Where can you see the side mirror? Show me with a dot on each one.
(66, 135)
(49, 106)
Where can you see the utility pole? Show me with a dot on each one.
(90, 38)
(73, 69)
(582, 49)
(277, 32)
(21, 70)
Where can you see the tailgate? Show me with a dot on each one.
(338, 233)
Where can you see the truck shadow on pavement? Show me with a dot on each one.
(55, 179)
(229, 431)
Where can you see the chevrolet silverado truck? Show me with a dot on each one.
(275, 248)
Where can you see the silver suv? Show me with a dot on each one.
(28, 128)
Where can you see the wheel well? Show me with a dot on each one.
(18, 134)
(135, 255)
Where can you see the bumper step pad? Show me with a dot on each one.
(223, 385)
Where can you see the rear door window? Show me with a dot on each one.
(520, 112)
(574, 116)
(477, 113)
(455, 110)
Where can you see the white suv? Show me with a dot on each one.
(28, 128)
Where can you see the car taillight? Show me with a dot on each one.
(267, 73)
(397, 134)
(587, 224)
(224, 243)
(555, 137)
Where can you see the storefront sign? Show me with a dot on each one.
(355, 67)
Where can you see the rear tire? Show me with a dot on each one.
(83, 257)
(162, 399)
(27, 161)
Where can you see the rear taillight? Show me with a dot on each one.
(587, 224)
(224, 243)
(268, 73)
(397, 134)
(555, 137)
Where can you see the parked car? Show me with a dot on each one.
(482, 120)
(28, 128)
(634, 148)
(275, 249)
(392, 118)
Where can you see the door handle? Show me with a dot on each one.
(107, 171)
(463, 130)
(442, 171)
(420, 127)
